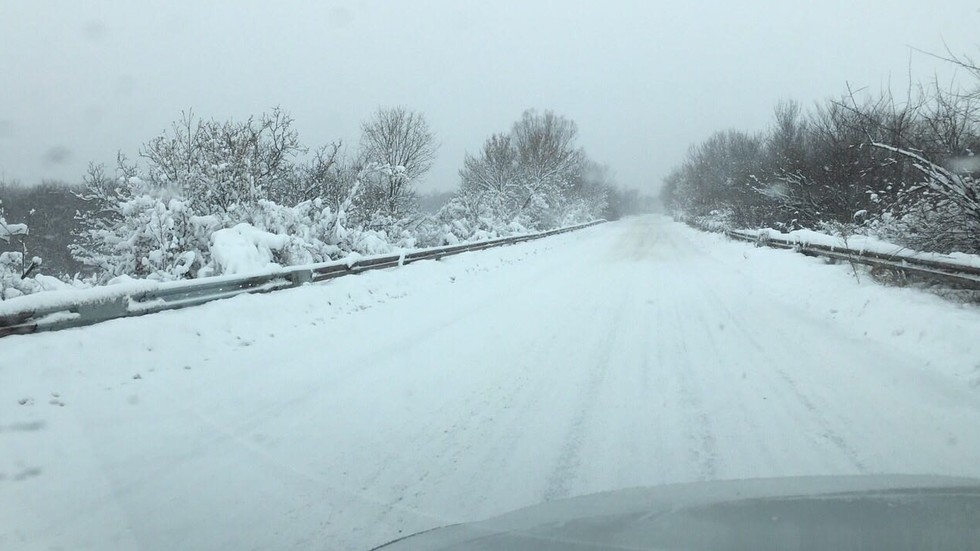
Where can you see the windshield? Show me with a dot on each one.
(293, 275)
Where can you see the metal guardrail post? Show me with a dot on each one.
(93, 312)
(301, 277)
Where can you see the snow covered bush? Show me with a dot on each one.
(718, 220)
(435, 232)
(308, 228)
(926, 226)
(15, 281)
(19, 271)
(157, 221)
(12, 284)
(149, 229)
(535, 177)
(244, 248)
(15, 266)
(140, 229)
(940, 212)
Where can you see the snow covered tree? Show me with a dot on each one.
(328, 175)
(587, 196)
(139, 228)
(535, 176)
(549, 159)
(16, 266)
(400, 140)
(225, 166)
(786, 142)
(490, 182)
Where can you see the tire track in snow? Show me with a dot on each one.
(492, 426)
(569, 458)
(826, 431)
(703, 451)
(749, 335)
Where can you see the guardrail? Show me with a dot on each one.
(951, 273)
(91, 306)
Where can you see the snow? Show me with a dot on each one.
(244, 249)
(346, 414)
(371, 243)
(49, 283)
(62, 298)
(8, 230)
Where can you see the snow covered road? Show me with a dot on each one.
(344, 415)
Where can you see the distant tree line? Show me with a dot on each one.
(155, 215)
(906, 170)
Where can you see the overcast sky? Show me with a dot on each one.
(643, 79)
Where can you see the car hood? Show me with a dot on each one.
(810, 513)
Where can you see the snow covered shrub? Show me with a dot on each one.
(145, 229)
(140, 229)
(462, 220)
(11, 283)
(315, 233)
(940, 212)
(435, 231)
(718, 220)
(15, 267)
(14, 282)
(148, 231)
(307, 227)
(926, 226)
(157, 237)
(157, 221)
(244, 248)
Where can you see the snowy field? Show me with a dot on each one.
(340, 416)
